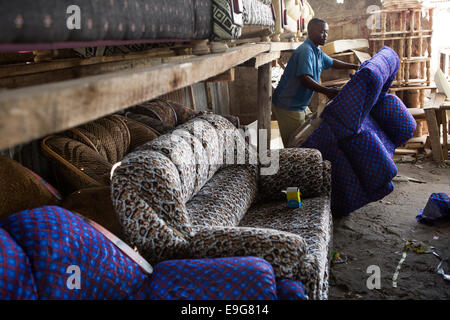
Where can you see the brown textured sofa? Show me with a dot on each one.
(180, 196)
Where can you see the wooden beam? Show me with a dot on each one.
(264, 104)
(82, 71)
(21, 69)
(262, 59)
(433, 127)
(31, 113)
(227, 76)
(284, 46)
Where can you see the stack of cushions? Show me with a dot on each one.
(360, 130)
(42, 250)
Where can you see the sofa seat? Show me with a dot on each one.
(311, 221)
(225, 198)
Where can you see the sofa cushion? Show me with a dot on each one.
(180, 152)
(56, 240)
(16, 278)
(370, 158)
(235, 278)
(285, 251)
(312, 221)
(22, 189)
(300, 167)
(232, 143)
(347, 111)
(225, 198)
(207, 150)
(394, 118)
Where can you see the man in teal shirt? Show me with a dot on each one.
(300, 80)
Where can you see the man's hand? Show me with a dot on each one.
(337, 64)
(332, 92)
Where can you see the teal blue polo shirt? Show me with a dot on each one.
(307, 59)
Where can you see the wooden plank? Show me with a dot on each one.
(444, 122)
(262, 59)
(284, 46)
(417, 113)
(227, 76)
(31, 113)
(362, 56)
(405, 151)
(21, 69)
(433, 129)
(264, 104)
(82, 71)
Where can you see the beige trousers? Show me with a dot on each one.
(289, 121)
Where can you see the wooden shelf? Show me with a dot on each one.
(33, 112)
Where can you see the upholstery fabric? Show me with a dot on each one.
(54, 239)
(235, 186)
(44, 21)
(16, 280)
(310, 221)
(257, 13)
(297, 167)
(226, 23)
(22, 189)
(84, 156)
(290, 290)
(285, 251)
(236, 278)
(178, 197)
(360, 130)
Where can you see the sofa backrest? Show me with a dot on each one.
(348, 110)
(171, 169)
(158, 178)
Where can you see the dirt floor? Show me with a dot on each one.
(377, 233)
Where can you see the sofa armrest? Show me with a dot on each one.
(298, 167)
(286, 252)
(228, 278)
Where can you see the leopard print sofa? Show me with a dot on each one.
(197, 192)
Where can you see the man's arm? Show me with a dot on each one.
(337, 64)
(309, 82)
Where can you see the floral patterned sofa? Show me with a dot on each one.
(196, 192)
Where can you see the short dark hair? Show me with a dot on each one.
(313, 22)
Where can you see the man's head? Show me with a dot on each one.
(318, 31)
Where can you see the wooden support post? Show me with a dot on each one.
(264, 102)
(401, 53)
(192, 98)
(444, 122)
(433, 127)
